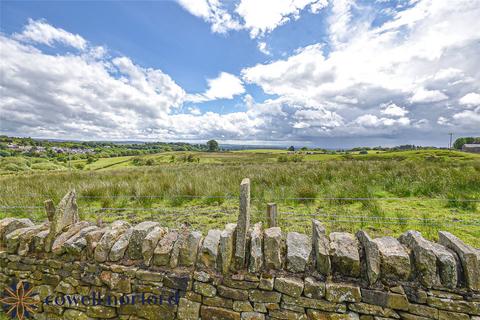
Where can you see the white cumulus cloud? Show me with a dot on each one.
(470, 99)
(39, 31)
(225, 86)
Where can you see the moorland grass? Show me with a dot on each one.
(204, 194)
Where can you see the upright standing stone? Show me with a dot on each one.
(372, 256)
(117, 252)
(256, 252)
(395, 259)
(139, 232)
(299, 248)
(150, 242)
(424, 257)
(272, 214)
(164, 248)
(344, 254)
(272, 247)
(226, 247)
(209, 252)
(93, 238)
(321, 247)
(468, 257)
(243, 225)
(108, 239)
(188, 251)
(65, 215)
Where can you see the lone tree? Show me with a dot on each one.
(212, 146)
(291, 148)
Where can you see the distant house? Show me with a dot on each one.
(471, 147)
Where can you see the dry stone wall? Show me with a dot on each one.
(82, 270)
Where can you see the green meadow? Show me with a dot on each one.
(385, 193)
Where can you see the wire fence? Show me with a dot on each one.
(228, 196)
(257, 214)
(216, 214)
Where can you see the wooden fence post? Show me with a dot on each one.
(243, 224)
(272, 214)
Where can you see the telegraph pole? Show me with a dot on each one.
(450, 144)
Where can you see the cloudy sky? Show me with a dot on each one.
(328, 73)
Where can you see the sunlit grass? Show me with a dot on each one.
(205, 194)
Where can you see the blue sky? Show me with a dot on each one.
(313, 72)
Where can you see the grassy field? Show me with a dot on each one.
(398, 190)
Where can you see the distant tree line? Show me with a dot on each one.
(63, 150)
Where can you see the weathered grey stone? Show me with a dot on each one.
(117, 252)
(72, 314)
(218, 302)
(252, 316)
(139, 232)
(214, 313)
(93, 238)
(395, 259)
(65, 288)
(446, 315)
(8, 225)
(320, 315)
(101, 312)
(227, 247)
(299, 248)
(242, 306)
(321, 247)
(174, 255)
(235, 294)
(315, 304)
(266, 282)
(202, 276)
(204, 289)
(243, 225)
(264, 296)
(38, 241)
(26, 239)
(370, 309)
(108, 240)
(423, 311)
(427, 256)
(273, 248)
(58, 244)
(65, 215)
(372, 256)
(78, 242)
(116, 282)
(163, 250)
(287, 315)
(454, 305)
(468, 257)
(256, 252)
(313, 288)
(19, 239)
(385, 299)
(150, 242)
(188, 310)
(209, 251)
(290, 286)
(189, 249)
(342, 292)
(344, 254)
